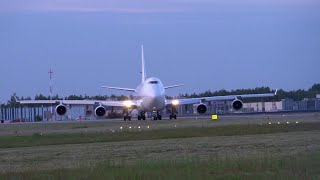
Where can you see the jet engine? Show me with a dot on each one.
(100, 111)
(202, 108)
(61, 110)
(237, 104)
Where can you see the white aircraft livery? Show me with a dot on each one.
(149, 96)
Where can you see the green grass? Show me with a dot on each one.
(301, 166)
(39, 139)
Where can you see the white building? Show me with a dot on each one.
(262, 106)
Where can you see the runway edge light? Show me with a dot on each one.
(214, 117)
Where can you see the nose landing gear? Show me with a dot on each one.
(142, 116)
(156, 115)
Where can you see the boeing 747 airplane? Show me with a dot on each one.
(149, 96)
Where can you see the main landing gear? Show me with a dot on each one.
(173, 115)
(142, 116)
(127, 115)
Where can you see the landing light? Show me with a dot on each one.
(127, 104)
(175, 102)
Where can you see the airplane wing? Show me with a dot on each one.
(216, 98)
(99, 111)
(67, 102)
(130, 103)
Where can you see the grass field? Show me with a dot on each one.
(191, 150)
(302, 166)
(39, 139)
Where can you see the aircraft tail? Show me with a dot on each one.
(143, 70)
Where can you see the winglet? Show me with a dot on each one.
(275, 93)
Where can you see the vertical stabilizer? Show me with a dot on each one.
(143, 71)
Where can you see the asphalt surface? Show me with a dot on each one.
(115, 125)
(243, 117)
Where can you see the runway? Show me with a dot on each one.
(110, 125)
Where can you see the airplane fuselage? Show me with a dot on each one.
(150, 95)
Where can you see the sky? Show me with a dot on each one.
(204, 44)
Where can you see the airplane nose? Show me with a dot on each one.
(154, 103)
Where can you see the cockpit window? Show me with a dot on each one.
(153, 82)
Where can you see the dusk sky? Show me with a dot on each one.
(204, 44)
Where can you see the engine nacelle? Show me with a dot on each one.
(100, 111)
(202, 108)
(61, 110)
(237, 104)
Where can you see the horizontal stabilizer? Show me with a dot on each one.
(168, 87)
(119, 88)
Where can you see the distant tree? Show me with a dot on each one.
(41, 97)
(56, 97)
(74, 97)
(13, 102)
(315, 88)
(122, 98)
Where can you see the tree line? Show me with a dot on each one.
(296, 95)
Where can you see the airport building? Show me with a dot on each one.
(80, 112)
(304, 105)
(262, 106)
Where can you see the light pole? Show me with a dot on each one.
(50, 77)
